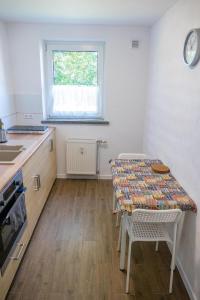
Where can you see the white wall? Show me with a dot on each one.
(173, 120)
(125, 84)
(7, 108)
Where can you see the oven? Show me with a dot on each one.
(13, 218)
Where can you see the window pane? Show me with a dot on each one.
(75, 68)
(75, 100)
(75, 86)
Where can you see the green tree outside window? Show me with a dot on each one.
(75, 68)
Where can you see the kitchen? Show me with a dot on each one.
(140, 95)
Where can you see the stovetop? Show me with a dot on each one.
(27, 129)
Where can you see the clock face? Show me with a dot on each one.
(192, 48)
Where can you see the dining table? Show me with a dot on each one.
(137, 185)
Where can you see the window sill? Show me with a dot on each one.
(76, 121)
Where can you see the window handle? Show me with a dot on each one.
(82, 150)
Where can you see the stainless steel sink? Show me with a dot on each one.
(9, 152)
(8, 157)
(11, 147)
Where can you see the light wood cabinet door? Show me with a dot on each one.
(39, 174)
(48, 168)
(33, 193)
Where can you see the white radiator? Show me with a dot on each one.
(81, 156)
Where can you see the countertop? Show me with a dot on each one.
(31, 143)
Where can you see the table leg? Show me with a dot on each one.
(179, 232)
(123, 242)
(114, 202)
(180, 229)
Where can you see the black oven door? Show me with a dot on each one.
(11, 228)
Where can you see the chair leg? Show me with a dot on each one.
(173, 264)
(157, 243)
(128, 266)
(117, 219)
(123, 243)
(173, 261)
(120, 234)
(171, 277)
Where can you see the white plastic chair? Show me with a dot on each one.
(133, 156)
(126, 156)
(149, 225)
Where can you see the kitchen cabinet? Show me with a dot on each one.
(39, 173)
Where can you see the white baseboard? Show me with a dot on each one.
(61, 176)
(103, 177)
(184, 277)
(186, 281)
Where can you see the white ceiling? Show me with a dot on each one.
(138, 12)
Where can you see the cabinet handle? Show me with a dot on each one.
(21, 247)
(51, 145)
(37, 183)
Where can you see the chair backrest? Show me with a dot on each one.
(156, 216)
(133, 156)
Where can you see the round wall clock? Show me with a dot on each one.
(191, 51)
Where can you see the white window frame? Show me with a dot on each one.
(47, 80)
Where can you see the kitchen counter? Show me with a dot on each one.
(31, 142)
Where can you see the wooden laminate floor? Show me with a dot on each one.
(72, 254)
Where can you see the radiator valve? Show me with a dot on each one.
(101, 142)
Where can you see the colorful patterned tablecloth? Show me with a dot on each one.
(136, 185)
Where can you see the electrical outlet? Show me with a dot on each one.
(28, 116)
(135, 44)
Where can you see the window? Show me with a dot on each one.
(74, 77)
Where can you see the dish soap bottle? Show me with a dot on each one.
(3, 138)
